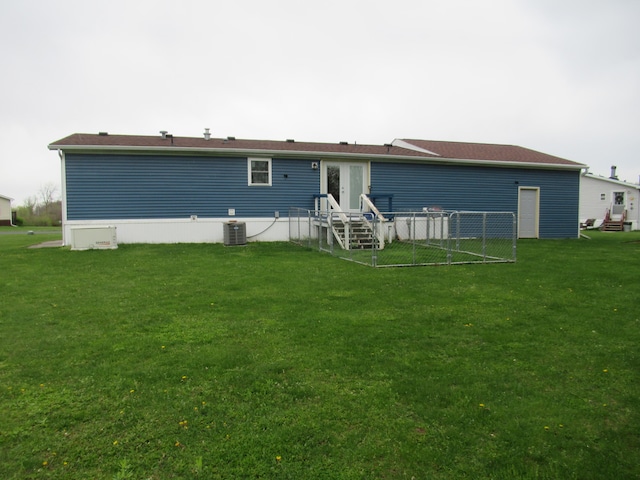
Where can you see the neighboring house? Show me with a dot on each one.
(166, 189)
(602, 198)
(5, 210)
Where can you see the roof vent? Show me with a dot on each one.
(163, 133)
(231, 138)
(344, 143)
(207, 135)
(613, 173)
(103, 134)
(290, 140)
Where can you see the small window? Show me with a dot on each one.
(259, 171)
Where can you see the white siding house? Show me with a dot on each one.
(599, 195)
(5, 210)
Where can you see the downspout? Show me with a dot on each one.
(11, 215)
(63, 187)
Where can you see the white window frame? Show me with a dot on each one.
(249, 171)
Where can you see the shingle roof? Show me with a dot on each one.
(79, 140)
(487, 151)
(429, 151)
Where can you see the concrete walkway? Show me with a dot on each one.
(52, 243)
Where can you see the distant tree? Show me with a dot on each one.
(43, 209)
(47, 194)
(29, 205)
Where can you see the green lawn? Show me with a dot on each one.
(274, 361)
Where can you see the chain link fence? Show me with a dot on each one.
(408, 238)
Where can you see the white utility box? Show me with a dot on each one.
(94, 237)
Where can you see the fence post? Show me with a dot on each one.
(414, 240)
(449, 231)
(484, 237)
(374, 248)
(514, 229)
(308, 228)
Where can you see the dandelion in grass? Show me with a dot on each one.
(115, 442)
(605, 370)
(45, 463)
(481, 405)
(546, 428)
(278, 458)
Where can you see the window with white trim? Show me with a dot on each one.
(259, 171)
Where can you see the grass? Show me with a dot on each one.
(273, 361)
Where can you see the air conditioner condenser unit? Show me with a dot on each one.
(235, 233)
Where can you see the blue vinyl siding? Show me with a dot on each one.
(152, 186)
(127, 186)
(453, 187)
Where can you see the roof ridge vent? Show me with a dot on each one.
(231, 138)
(103, 134)
(344, 143)
(163, 133)
(290, 140)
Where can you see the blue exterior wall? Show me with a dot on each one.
(127, 186)
(101, 187)
(453, 187)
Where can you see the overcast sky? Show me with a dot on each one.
(558, 76)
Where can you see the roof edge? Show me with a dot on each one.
(316, 155)
(610, 180)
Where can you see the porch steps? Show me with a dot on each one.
(360, 234)
(612, 226)
(613, 222)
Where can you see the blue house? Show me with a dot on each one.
(169, 189)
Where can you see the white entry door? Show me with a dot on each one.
(346, 182)
(528, 212)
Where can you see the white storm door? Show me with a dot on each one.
(528, 212)
(346, 182)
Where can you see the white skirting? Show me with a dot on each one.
(189, 230)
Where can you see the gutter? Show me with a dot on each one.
(311, 155)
